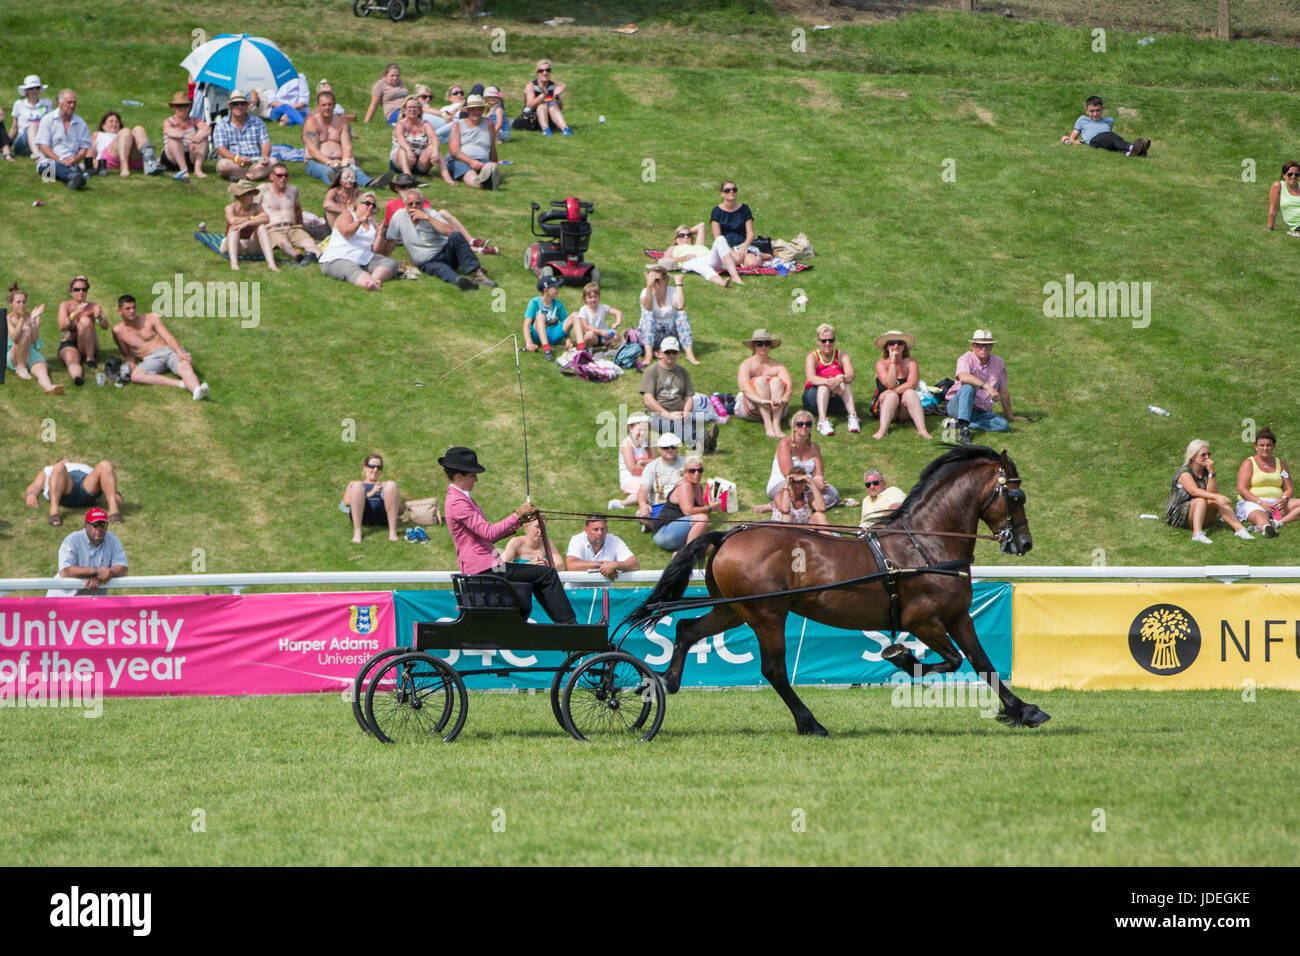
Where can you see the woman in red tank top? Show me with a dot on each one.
(827, 388)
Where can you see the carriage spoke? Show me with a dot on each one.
(613, 696)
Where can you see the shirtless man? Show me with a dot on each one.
(154, 350)
(280, 202)
(327, 137)
(78, 340)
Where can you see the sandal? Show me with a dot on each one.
(55, 521)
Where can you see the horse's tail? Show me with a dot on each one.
(673, 582)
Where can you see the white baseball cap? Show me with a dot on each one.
(669, 440)
(670, 344)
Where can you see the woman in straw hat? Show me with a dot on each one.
(763, 385)
(246, 224)
(896, 376)
(185, 139)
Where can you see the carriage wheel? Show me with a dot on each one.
(359, 684)
(613, 695)
(361, 8)
(557, 687)
(396, 10)
(415, 696)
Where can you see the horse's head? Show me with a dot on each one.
(1004, 509)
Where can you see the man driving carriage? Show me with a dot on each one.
(474, 538)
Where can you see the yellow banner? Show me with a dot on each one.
(1100, 635)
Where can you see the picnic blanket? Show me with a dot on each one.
(213, 241)
(759, 271)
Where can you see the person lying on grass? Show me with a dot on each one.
(1098, 132)
(152, 350)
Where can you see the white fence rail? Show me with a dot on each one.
(235, 583)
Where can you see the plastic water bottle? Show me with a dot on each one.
(100, 379)
(601, 119)
(1157, 410)
(132, 103)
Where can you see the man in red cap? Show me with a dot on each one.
(94, 553)
(475, 539)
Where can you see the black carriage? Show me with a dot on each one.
(396, 9)
(600, 691)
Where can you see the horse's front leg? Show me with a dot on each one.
(934, 636)
(1015, 711)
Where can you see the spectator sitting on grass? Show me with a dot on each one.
(547, 323)
(63, 142)
(242, 142)
(23, 342)
(1284, 197)
(663, 314)
(327, 137)
(633, 456)
(763, 385)
(185, 139)
(669, 397)
(798, 452)
(352, 253)
(71, 484)
(1194, 499)
(246, 226)
(280, 200)
(152, 350)
(388, 93)
(117, 147)
(658, 478)
(980, 380)
(542, 102)
(880, 500)
(596, 331)
(496, 114)
(78, 340)
(29, 109)
(434, 245)
(372, 500)
(527, 548)
(1098, 132)
(472, 148)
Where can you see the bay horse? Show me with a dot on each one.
(934, 527)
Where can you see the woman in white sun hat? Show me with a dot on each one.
(896, 376)
(27, 112)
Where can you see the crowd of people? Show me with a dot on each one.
(457, 142)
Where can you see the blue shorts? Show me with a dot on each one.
(77, 496)
(554, 333)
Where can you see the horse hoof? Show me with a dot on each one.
(816, 730)
(1033, 716)
(899, 656)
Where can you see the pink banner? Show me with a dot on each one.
(204, 644)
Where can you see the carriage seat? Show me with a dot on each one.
(492, 591)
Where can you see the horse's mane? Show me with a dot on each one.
(935, 473)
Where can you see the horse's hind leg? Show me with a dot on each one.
(1015, 711)
(690, 630)
(771, 641)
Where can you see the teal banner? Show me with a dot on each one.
(815, 654)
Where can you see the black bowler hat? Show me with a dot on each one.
(461, 459)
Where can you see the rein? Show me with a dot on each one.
(851, 528)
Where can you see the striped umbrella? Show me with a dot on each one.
(237, 61)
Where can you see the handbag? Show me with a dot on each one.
(422, 511)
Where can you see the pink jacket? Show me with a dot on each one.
(471, 534)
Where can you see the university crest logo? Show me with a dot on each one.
(362, 620)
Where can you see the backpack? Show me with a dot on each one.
(584, 366)
(628, 355)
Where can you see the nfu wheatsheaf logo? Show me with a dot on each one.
(1164, 639)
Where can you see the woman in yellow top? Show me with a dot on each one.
(1264, 488)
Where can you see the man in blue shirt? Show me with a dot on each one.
(1097, 131)
(94, 553)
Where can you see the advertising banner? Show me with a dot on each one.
(1157, 636)
(815, 654)
(195, 644)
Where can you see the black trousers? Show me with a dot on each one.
(1110, 141)
(546, 588)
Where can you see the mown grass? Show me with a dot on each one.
(847, 141)
(1183, 778)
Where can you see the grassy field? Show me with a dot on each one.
(848, 140)
(1182, 779)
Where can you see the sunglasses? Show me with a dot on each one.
(98, 524)
(671, 352)
(456, 93)
(683, 235)
(827, 341)
(807, 424)
(694, 471)
(729, 189)
(890, 344)
(379, 466)
(545, 69)
(872, 484)
(81, 288)
(367, 202)
(279, 175)
(762, 343)
(1292, 175)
